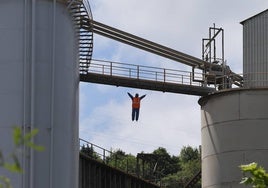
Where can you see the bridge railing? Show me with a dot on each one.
(144, 72)
(101, 154)
(94, 151)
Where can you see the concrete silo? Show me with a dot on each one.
(39, 78)
(234, 121)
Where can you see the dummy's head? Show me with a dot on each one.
(137, 95)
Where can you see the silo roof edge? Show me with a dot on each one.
(242, 22)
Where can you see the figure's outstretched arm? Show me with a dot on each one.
(142, 97)
(130, 95)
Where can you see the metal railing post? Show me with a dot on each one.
(111, 70)
(138, 71)
(104, 157)
(164, 75)
(190, 78)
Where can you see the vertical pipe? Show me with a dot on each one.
(32, 98)
(203, 50)
(210, 45)
(224, 80)
(52, 95)
(25, 86)
(223, 46)
(214, 44)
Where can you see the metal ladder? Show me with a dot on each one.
(81, 13)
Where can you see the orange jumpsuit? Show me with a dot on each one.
(135, 105)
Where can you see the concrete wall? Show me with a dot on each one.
(234, 132)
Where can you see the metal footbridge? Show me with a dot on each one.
(144, 77)
(215, 74)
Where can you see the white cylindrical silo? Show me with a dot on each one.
(234, 132)
(39, 79)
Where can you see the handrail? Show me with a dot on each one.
(99, 153)
(87, 7)
(144, 72)
(251, 80)
(164, 75)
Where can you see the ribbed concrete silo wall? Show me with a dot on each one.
(234, 132)
(255, 51)
(39, 79)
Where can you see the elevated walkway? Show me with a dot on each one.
(145, 77)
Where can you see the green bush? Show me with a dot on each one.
(19, 140)
(254, 175)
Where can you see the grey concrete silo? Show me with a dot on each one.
(234, 122)
(39, 79)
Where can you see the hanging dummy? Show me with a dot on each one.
(135, 105)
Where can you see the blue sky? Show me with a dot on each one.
(166, 120)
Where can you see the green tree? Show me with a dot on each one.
(190, 164)
(166, 164)
(190, 160)
(189, 154)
